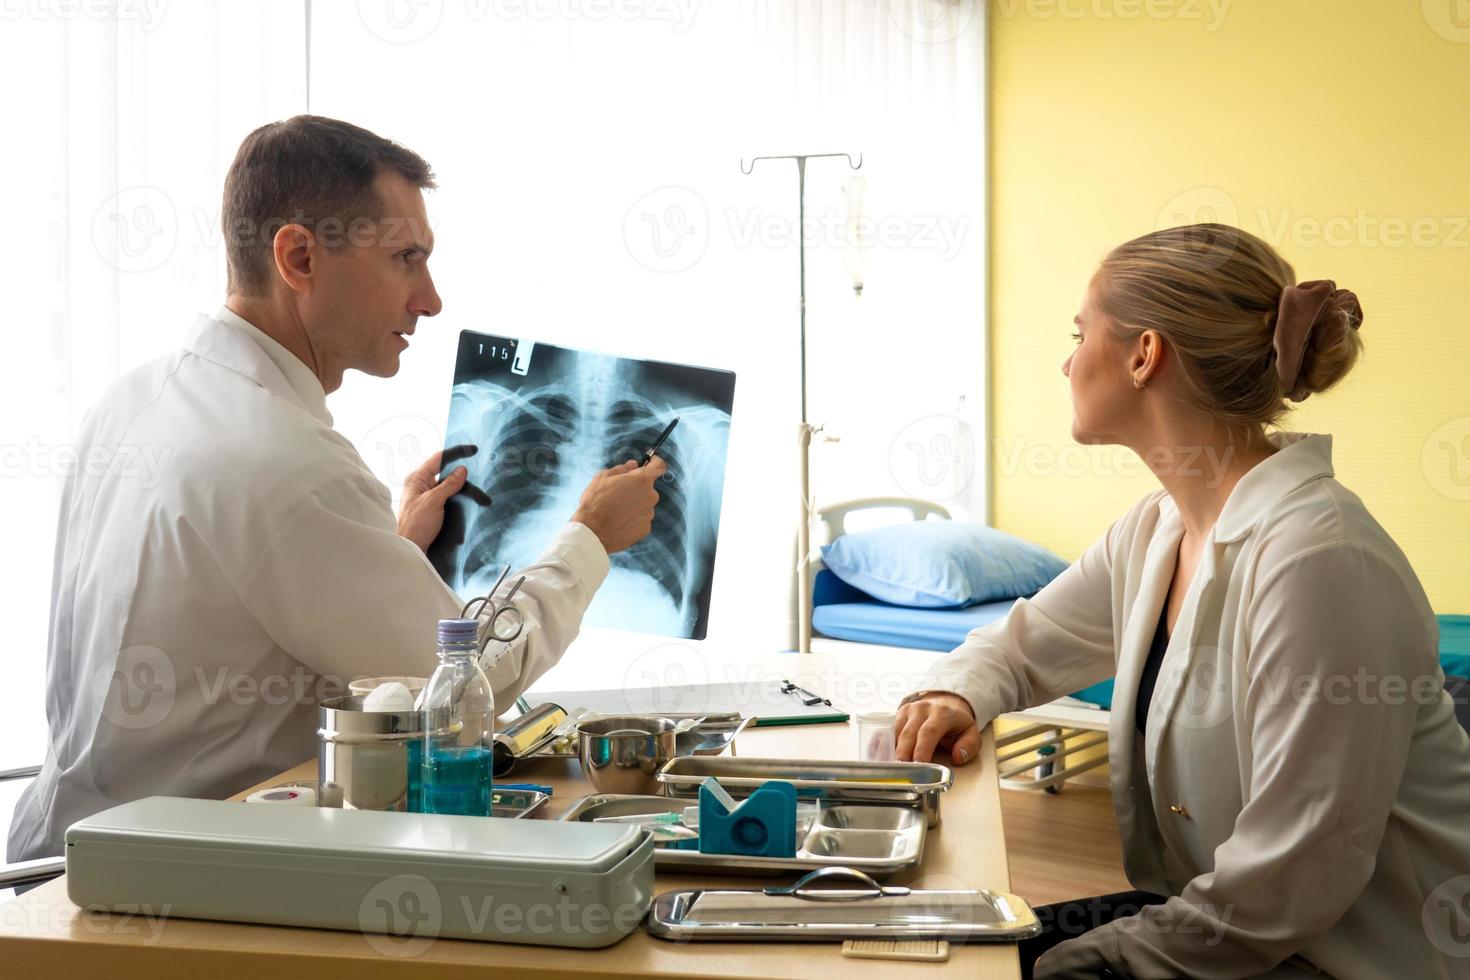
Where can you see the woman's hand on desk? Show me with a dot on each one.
(937, 721)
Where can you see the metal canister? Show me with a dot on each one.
(372, 755)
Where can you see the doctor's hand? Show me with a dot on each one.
(935, 721)
(617, 505)
(421, 514)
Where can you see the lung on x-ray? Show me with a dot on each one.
(544, 420)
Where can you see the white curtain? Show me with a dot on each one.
(591, 194)
(120, 120)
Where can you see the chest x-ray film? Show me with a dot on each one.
(545, 420)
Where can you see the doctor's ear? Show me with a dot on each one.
(292, 246)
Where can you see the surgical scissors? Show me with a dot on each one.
(494, 630)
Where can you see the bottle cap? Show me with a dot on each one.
(458, 632)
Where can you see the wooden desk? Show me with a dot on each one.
(43, 935)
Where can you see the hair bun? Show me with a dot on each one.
(1313, 318)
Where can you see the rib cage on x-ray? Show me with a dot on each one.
(543, 436)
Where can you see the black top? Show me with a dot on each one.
(1151, 671)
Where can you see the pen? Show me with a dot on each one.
(658, 443)
(807, 697)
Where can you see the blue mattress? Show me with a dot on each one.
(901, 626)
(844, 613)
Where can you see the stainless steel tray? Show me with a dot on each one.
(516, 803)
(876, 839)
(863, 909)
(911, 784)
(714, 736)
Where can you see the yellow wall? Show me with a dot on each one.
(1335, 129)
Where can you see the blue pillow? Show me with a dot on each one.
(934, 564)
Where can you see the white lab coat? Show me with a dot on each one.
(228, 561)
(1284, 823)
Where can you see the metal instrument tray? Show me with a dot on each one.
(876, 839)
(863, 909)
(516, 803)
(911, 784)
(712, 737)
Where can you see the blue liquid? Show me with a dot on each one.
(416, 776)
(457, 780)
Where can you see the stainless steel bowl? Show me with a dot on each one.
(623, 754)
(371, 755)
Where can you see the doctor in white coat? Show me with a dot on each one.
(1290, 782)
(201, 607)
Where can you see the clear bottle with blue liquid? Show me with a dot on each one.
(456, 758)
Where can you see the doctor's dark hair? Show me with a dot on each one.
(307, 170)
(1213, 293)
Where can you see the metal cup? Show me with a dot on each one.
(370, 754)
(623, 754)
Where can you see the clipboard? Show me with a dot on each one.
(764, 701)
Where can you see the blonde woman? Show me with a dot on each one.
(1290, 782)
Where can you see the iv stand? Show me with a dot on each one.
(804, 430)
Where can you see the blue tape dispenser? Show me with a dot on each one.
(763, 825)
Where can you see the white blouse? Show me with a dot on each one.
(1303, 790)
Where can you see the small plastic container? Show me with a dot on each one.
(875, 736)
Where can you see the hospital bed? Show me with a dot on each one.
(1040, 748)
(1040, 751)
